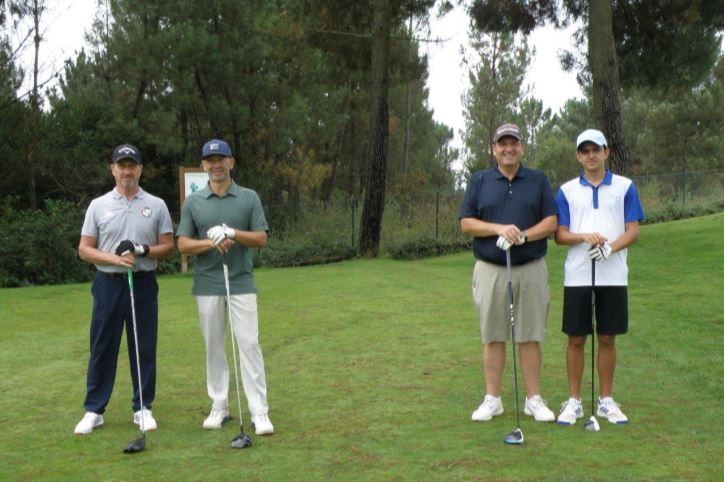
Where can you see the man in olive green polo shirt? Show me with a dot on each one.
(225, 219)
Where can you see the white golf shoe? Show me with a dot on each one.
(536, 407)
(149, 423)
(611, 411)
(489, 408)
(89, 421)
(216, 418)
(571, 410)
(262, 424)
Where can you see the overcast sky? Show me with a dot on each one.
(67, 20)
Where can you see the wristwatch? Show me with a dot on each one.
(524, 236)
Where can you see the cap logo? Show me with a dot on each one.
(126, 150)
(213, 146)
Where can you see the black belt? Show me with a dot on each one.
(136, 274)
(513, 264)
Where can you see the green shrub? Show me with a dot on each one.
(292, 252)
(41, 247)
(425, 247)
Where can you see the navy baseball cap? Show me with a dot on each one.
(126, 151)
(215, 147)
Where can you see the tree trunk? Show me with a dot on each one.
(374, 202)
(606, 86)
(34, 112)
(408, 103)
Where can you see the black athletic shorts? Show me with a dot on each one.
(611, 310)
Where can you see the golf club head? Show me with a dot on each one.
(241, 441)
(592, 425)
(136, 446)
(515, 437)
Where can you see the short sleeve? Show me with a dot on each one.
(632, 210)
(186, 224)
(564, 211)
(258, 220)
(469, 208)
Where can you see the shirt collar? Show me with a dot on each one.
(607, 179)
(139, 195)
(521, 173)
(233, 190)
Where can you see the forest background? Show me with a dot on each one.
(325, 106)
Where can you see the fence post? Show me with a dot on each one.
(437, 216)
(353, 203)
(683, 197)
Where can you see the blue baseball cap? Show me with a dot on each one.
(591, 135)
(215, 147)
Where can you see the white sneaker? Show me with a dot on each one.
(262, 424)
(149, 423)
(489, 408)
(609, 409)
(89, 421)
(536, 407)
(571, 410)
(216, 418)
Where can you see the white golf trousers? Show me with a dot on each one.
(212, 317)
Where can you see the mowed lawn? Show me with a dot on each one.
(373, 369)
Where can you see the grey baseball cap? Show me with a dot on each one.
(507, 129)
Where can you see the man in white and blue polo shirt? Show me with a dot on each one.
(510, 207)
(125, 228)
(598, 218)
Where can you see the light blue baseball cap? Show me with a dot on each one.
(215, 147)
(591, 135)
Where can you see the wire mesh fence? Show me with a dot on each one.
(433, 214)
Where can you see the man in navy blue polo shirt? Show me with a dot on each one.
(598, 218)
(125, 228)
(510, 207)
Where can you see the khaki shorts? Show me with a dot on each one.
(531, 301)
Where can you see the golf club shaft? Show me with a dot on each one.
(233, 349)
(512, 334)
(135, 340)
(593, 332)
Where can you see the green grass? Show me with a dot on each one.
(373, 369)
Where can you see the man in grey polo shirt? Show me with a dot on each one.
(125, 228)
(224, 220)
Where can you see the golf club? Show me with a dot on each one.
(592, 424)
(516, 436)
(140, 443)
(242, 440)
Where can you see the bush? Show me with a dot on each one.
(41, 247)
(673, 212)
(425, 247)
(303, 253)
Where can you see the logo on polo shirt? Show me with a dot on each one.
(146, 212)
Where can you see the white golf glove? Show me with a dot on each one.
(600, 253)
(219, 233)
(503, 243)
(522, 238)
